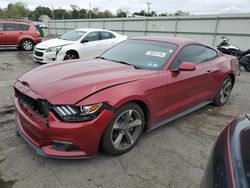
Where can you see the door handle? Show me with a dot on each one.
(21, 32)
(1, 33)
(210, 71)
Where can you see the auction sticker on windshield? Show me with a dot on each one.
(156, 54)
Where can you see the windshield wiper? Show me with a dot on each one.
(100, 57)
(117, 61)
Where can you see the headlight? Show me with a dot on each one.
(54, 49)
(78, 113)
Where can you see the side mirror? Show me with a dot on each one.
(84, 41)
(185, 66)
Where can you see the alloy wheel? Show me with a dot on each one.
(126, 129)
(27, 45)
(225, 90)
(70, 56)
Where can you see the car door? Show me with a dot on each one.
(12, 33)
(90, 45)
(186, 89)
(107, 40)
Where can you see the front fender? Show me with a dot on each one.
(118, 95)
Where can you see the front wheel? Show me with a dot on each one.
(70, 56)
(247, 67)
(124, 130)
(27, 45)
(224, 93)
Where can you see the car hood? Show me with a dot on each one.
(53, 43)
(69, 82)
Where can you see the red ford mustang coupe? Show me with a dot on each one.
(71, 109)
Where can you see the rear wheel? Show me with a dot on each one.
(124, 130)
(247, 67)
(224, 93)
(27, 45)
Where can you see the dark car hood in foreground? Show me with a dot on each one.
(69, 82)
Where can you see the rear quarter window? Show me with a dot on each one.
(211, 54)
(24, 27)
(106, 35)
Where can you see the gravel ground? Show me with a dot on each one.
(173, 156)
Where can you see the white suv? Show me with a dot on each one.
(76, 44)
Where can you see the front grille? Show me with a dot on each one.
(39, 108)
(38, 59)
(40, 48)
(39, 54)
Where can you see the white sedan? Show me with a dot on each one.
(76, 44)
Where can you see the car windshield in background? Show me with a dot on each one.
(73, 35)
(141, 54)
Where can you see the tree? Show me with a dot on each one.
(83, 13)
(163, 14)
(16, 11)
(121, 14)
(41, 11)
(107, 14)
(181, 13)
(61, 14)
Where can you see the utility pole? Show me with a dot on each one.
(52, 10)
(148, 3)
(89, 10)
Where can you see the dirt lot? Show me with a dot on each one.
(172, 156)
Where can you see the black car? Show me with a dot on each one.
(229, 162)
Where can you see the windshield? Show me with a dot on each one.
(73, 35)
(142, 54)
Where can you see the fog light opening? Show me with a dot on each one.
(64, 146)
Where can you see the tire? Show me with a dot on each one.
(124, 131)
(224, 93)
(70, 56)
(247, 67)
(27, 45)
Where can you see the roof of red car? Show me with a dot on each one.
(16, 21)
(174, 40)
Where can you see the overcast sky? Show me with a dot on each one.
(160, 6)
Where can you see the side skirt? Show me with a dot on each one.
(6, 46)
(180, 114)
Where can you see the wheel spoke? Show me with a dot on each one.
(129, 137)
(227, 93)
(228, 85)
(222, 98)
(134, 123)
(117, 126)
(118, 140)
(128, 116)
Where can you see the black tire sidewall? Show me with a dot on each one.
(247, 67)
(106, 142)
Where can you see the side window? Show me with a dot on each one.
(14, 27)
(1, 27)
(211, 54)
(106, 35)
(192, 53)
(9, 27)
(93, 36)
